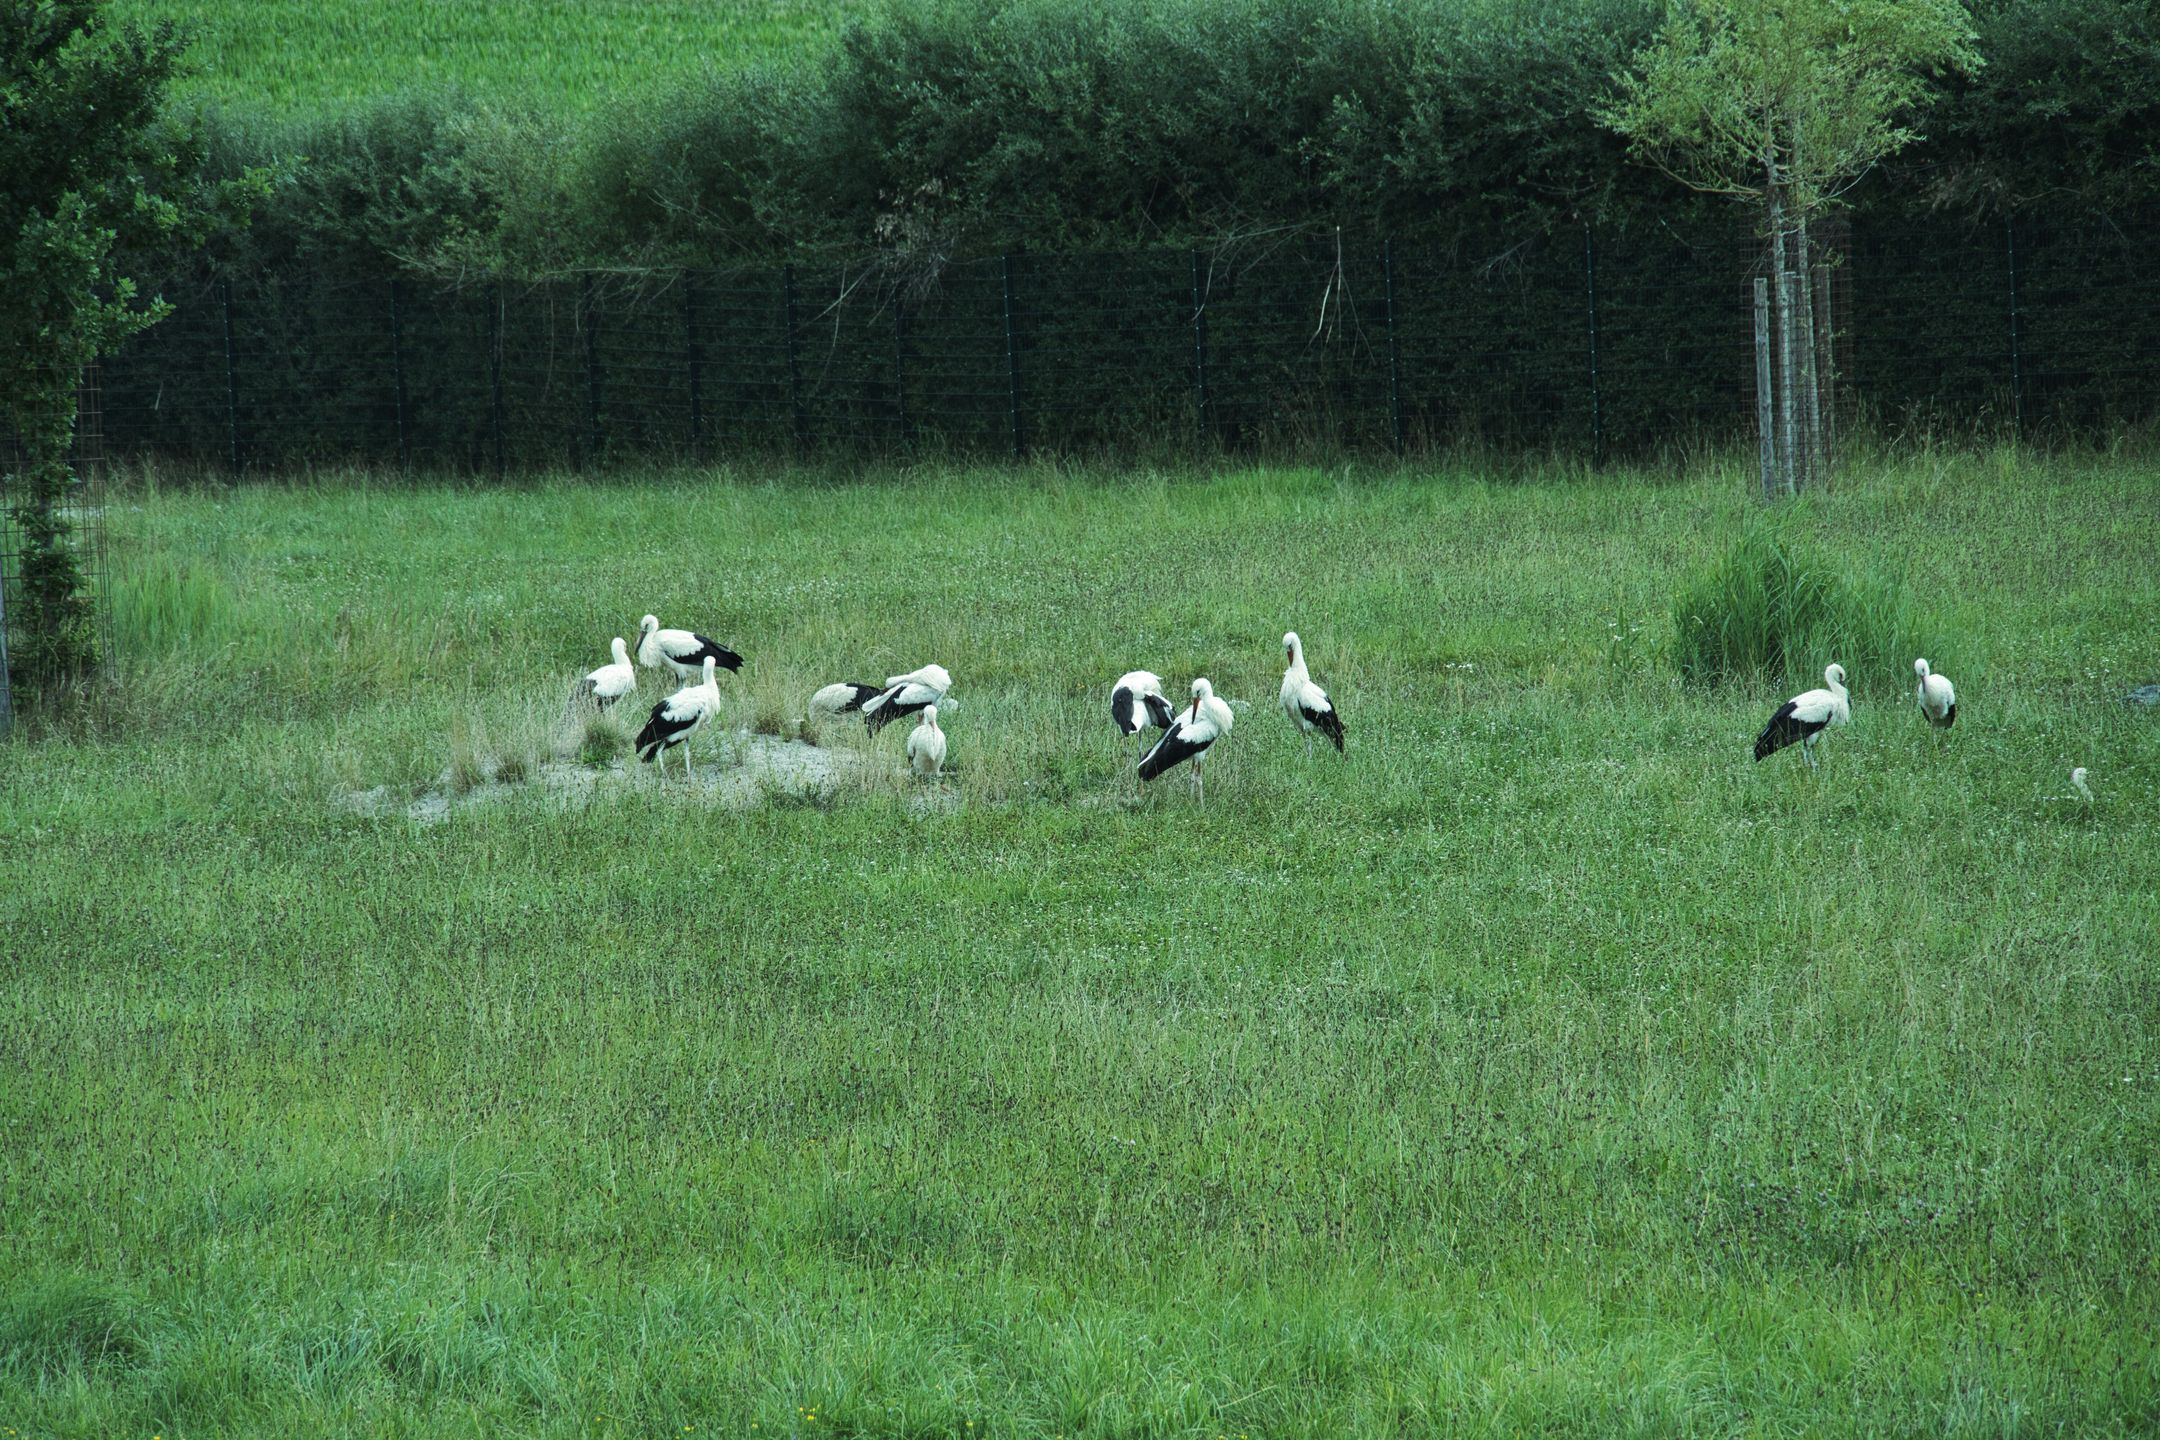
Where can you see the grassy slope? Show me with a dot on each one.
(1544, 1064)
(295, 55)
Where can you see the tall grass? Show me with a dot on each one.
(1541, 1066)
(1774, 608)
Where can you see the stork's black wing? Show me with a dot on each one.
(1327, 722)
(1785, 728)
(725, 658)
(1174, 748)
(1159, 711)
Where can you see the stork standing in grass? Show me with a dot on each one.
(610, 683)
(926, 745)
(2077, 783)
(1189, 737)
(682, 651)
(1806, 716)
(1137, 700)
(1938, 701)
(1305, 703)
(675, 719)
(905, 695)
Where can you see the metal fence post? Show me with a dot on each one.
(1199, 344)
(1394, 351)
(495, 375)
(589, 314)
(1597, 411)
(899, 366)
(1012, 358)
(696, 366)
(1765, 416)
(397, 376)
(794, 370)
(2017, 360)
(232, 382)
(7, 690)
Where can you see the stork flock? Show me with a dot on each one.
(1137, 702)
(1185, 732)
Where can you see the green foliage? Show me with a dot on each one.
(2067, 109)
(87, 175)
(922, 131)
(1776, 609)
(1791, 102)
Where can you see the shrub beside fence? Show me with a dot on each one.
(1580, 340)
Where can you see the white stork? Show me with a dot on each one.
(682, 651)
(610, 683)
(842, 698)
(905, 695)
(2077, 783)
(1189, 737)
(1806, 716)
(1137, 700)
(1305, 703)
(675, 719)
(1938, 701)
(926, 745)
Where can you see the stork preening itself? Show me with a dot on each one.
(1305, 703)
(1806, 716)
(1137, 701)
(682, 651)
(1938, 700)
(675, 719)
(610, 683)
(842, 698)
(1189, 737)
(926, 745)
(904, 695)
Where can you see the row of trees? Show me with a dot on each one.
(972, 127)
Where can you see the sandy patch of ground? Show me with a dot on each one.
(740, 772)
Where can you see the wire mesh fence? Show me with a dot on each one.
(1580, 340)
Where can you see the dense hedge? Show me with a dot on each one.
(946, 128)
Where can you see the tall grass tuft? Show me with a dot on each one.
(163, 605)
(1774, 609)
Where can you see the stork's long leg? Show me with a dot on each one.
(689, 773)
(1308, 742)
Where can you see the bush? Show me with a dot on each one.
(1774, 610)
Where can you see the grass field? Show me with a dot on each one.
(287, 55)
(1541, 1066)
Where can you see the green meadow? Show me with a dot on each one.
(293, 56)
(1542, 1065)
